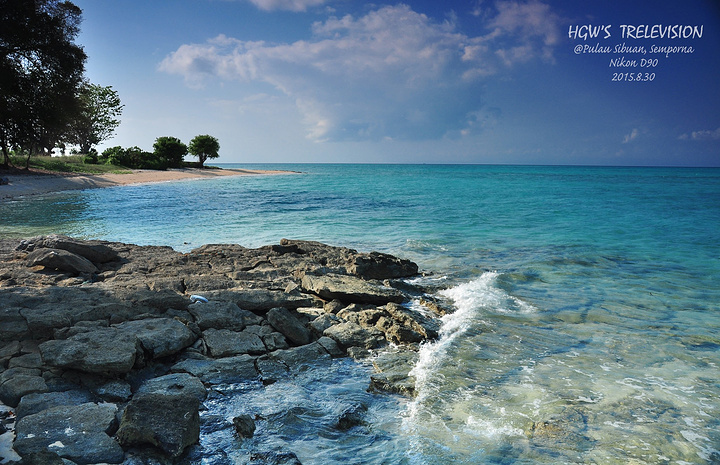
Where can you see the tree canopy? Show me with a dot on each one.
(204, 147)
(171, 149)
(41, 69)
(96, 120)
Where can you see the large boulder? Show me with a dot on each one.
(376, 265)
(104, 351)
(350, 289)
(95, 251)
(289, 326)
(169, 422)
(62, 260)
(80, 433)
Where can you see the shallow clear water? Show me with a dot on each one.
(587, 327)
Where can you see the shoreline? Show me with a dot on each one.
(123, 344)
(38, 183)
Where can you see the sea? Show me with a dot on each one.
(586, 307)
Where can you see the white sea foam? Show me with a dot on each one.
(472, 300)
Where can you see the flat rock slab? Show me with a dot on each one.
(260, 300)
(159, 337)
(225, 343)
(102, 351)
(225, 370)
(174, 384)
(78, 433)
(219, 315)
(350, 289)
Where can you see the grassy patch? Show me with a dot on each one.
(67, 164)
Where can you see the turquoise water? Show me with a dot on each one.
(587, 327)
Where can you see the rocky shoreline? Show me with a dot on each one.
(108, 350)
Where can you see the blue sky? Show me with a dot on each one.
(413, 82)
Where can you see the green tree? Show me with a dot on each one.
(204, 147)
(96, 120)
(171, 149)
(41, 69)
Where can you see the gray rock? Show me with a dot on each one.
(260, 300)
(244, 426)
(159, 337)
(289, 326)
(426, 326)
(350, 334)
(37, 402)
(376, 265)
(331, 346)
(45, 457)
(351, 416)
(274, 458)
(18, 382)
(95, 251)
(13, 326)
(103, 351)
(299, 358)
(219, 371)
(219, 315)
(44, 320)
(366, 317)
(274, 341)
(9, 350)
(568, 430)
(62, 260)
(224, 343)
(169, 422)
(78, 433)
(115, 390)
(393, 373)
(271, 369)
(323, 322)
(350, 289)
(174, 384)
(26, 361)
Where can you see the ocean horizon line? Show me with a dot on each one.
(470, 164)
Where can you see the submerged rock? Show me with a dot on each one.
(244, 426)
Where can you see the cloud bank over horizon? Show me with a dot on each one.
(391, 73)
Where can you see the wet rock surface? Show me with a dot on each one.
(108, 341)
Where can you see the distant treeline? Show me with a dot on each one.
(168, 152)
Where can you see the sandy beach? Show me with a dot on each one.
(36, 183)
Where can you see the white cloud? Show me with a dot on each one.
(702, 135)
(291, 5)
(632, 136)
(392, 73)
